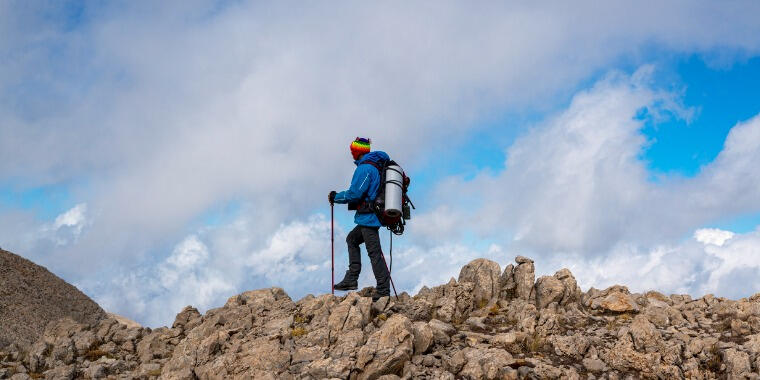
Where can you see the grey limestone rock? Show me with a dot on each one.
(484, 274)
(487, 325)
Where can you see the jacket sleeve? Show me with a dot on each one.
(359, 185)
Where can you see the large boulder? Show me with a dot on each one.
(484, 274)
(645, 335)
(616, 299)
(524, 277)
(451, 302)
(423, 337)
(572, 292)
(352, 313)
(507, 282)
(548, 290)
(387, 350)
(482, 363)
(561, 288)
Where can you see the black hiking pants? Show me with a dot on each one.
(371, 239)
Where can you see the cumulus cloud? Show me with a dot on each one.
(576, 183)
(696, 266)
(23, 231)
(576, 193)
(712, 236)
(207, 267)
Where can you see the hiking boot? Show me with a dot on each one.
(347, 284)
(376, 295)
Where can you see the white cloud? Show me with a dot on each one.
(575, 183)
(576, 193)
(206, 268)
(74, 217)
(188, 108)
(696, 267)
(65, 229)
(712, 236)
(165, 112)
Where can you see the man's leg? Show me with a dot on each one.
(353, 240)
(372, 242)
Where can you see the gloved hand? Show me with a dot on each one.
(331, 196)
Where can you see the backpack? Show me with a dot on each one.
(395, 183)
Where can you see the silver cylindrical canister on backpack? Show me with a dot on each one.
(394, 183)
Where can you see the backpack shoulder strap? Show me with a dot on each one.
(377, 166)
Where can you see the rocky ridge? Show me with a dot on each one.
(487, 324)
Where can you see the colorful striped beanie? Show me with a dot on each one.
(360, 146)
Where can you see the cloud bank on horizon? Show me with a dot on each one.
(144, 122)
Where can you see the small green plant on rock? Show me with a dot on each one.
(535, 343)
(298, 331)
(155, 372)
(94, 355)
(715, 361)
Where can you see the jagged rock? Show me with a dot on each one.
(645, 335)
(613, 299)
(451, 302)
(84, 341)
(331, 368)
(423, 337)
(347, 343)
(352, 313)
(488, 363)
(548, 290)
(524, 314)
(572, 292)
(387, 349)
(506, 341)
(188, 318)
(96, 371)
(523, 260)
(442, 331)
(594, 365)
(623, 357)
(484, 274)
(573, 346)
(264, 355)
(66, 372)
(553, 329)
(154, 346)
(476, 324)
(507, 282)
(524, 277)
(737, 362)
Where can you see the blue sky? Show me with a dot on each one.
(141, 144)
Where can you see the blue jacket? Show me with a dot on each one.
(364, 187)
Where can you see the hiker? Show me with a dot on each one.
(359, 196)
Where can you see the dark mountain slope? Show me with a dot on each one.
(31, 297)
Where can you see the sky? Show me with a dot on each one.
(159, 155)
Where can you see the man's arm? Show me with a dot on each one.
(359, 185)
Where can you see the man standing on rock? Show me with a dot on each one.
(359, 197)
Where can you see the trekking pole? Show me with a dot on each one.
(389, 275)
(332, 241)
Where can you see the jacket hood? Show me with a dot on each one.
(375, 156)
